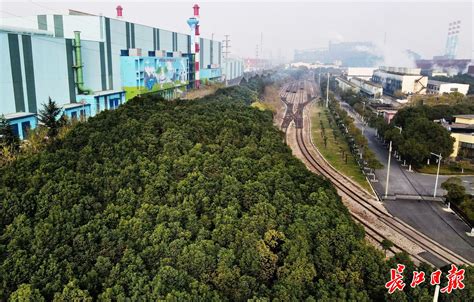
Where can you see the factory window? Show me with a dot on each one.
(25, 127)
(97, 105)
(82, 114)
(74, 115)
(105, 103)
(114, 103)
(453, 90)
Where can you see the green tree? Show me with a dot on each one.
(72, 292)
(386, 245)
(455, 190)
(414, 150)
(26, 293)
(50, 116)
(7, 137)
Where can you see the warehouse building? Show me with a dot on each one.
(438, 87)
(89, 63)
(233, 70)
(367, 87)
(346, 85)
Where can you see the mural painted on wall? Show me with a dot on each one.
(152, 74)
(164, 71)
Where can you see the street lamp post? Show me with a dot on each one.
(388, 169)
(399, 128)
(437, 173)
(363, 111)
(327, 93)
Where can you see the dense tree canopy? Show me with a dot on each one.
(420, 134)
(433, 112)
(179, 200)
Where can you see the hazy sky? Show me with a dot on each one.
(418, 25)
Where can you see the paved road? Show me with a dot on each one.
(429, 217)
(402, 182)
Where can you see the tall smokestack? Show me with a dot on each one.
(119, 12)
(193, 23)
(196, 10)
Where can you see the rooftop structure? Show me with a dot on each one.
(401, 70)
(360, 72)
(387, 114)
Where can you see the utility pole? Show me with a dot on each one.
(397, 153)
(226, 56)
(437, 173)
(327, 93)
(388, 169)
(256, 51)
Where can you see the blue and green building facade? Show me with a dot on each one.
(118, 60)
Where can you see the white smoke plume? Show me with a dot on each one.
(397, 56)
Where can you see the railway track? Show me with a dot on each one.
(364, 200)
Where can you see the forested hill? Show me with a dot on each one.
(178, 200)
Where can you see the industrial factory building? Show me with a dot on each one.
(402, 80)
(89, 63)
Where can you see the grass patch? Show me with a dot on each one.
(336, 146)
(203, 91)
(261, 106)
(444, 170)
(271, 98)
